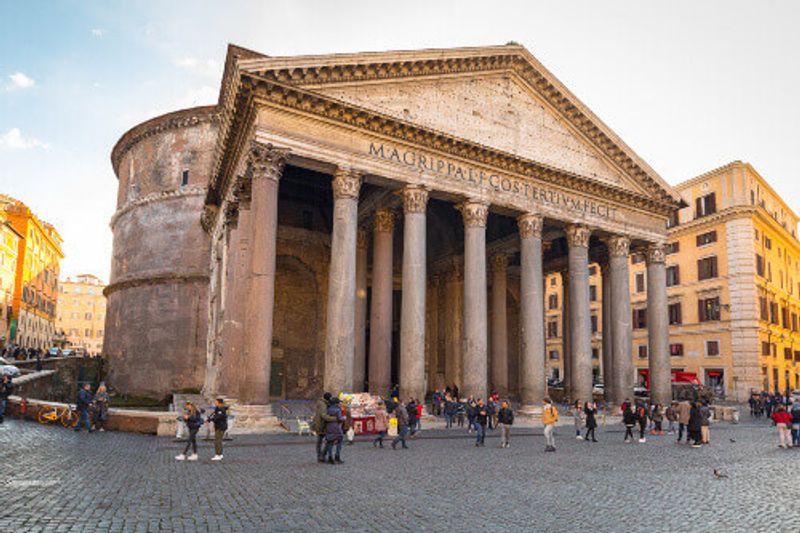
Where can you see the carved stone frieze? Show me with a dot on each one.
(265, 161)
(475, 213)
(530, 225)
(618, 246)
(346, 184)
(578, 235)
(415, 199)
(384, 221)
(656, 253)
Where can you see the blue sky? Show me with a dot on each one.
(688, 85)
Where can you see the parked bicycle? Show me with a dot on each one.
(67, 416)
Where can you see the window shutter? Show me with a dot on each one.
(711, 204)
(700, 308)
(698, 207)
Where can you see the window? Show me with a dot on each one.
(595, 353)
(639, 318)
(712, 348)
(592, 270)
(593, 293)
(642, 350)
(552, 301)
(99, 333)
(673, 220)
(673, 276)
(674, 311)
(707, 238)
(759, 265)
(640, 282)
(707, 268)
(553, 281)
(767, 243)
(554, 355)
(552, 329)
(757, 236)
(637, 258)
(794, 321)
(87, 316)
(185, 177)
(785, 317)
(765, 349)
(773, 312)
(673, 248)
(88, 333)
(706, 205)
(594, 323)
(708, 309)
(676, 350)
(787, 353)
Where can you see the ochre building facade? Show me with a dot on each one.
(345, 222)
(82, 313)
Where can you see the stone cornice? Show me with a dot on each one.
(178, 119)
(359, 68)
(720, 216)
(159, 279)
(160, 196)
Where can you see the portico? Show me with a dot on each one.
(414, 198)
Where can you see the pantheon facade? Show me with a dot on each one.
(345, 222)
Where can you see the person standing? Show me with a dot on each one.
(420, 410)
(657, 416)
(481, 419)
(471, 414)
(505, 419)
(85, 398)
(641, 418)
(549, 419)
(6, 390)
(795, 412)
(695, 425)
(705, 427)
(450, 410)
(629, 419)
(381, 424)
(672, 417)
(436, 403)
(321, 417)
(684, 412)
(194, 421)
(577, 418)
(101, 408)
(334, 432)
(219, 417)
(591, 420)
(411, 411)
(782, 421)
(401, 414)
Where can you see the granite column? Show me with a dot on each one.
(532, 369)
(475, 365)
(658, 326)
(580, 313)
(380, 333)
(499, 324)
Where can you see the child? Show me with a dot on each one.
(194, 422)
(220, 420)
(549, 419)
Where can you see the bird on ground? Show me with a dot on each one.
(719, 474)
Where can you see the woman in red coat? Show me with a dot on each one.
(783, 421)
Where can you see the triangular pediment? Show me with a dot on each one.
(496, 97)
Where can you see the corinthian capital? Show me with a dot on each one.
(346, 184)
(578, 235)
(474, 212)
(384, 221)
(265, 161)
(530, 225)
(415, 199)
(656, 253)
(618, 246)
(499, 262)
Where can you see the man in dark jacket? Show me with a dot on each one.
(450, 410)
(505, 419)
(220, 420)
(6, 390)
(321, 418)
(401, 414)
(411, 410)
(85, 399)
(481, 419)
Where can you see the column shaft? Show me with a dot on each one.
(412, 311)
(658, 326)
(360, 361)
(475, 308)
(580, 313)
(533, 362)
(608, 359)
(499, 325)
(566, 341)
(621, 332)
(380, 337)
(228, 377)
(453, 326)
(340, 328)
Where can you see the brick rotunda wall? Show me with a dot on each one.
(155, 333)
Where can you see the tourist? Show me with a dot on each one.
(381, 424)
(782, 421)
(641, 418)
(629, 419)
(481, 419)
(420, 410)
(672, 417)
(193, 419)
(450, 411)
(401, 414)
(705, 414)
(456, 393)
(795, 412)
(6, 389)
(505, 419)
(219, 417)
(85, 398)
(394, 393)
(334, 432)
(101, 399)
(348, 427)
(436, 403)
(625, 404)
(318, 422)
(411, 410)
(472, 411)
(549, 420)
(591, 420)
(491, 412)
(577, 418)
(694, 425)
(657, 416)
(684, 412)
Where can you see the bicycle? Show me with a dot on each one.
(68, 416)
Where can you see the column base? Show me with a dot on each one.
(530, 411)
(253, 417)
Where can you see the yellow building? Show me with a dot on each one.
(9, 245)
(82, 312)
(38, 262)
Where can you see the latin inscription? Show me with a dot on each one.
(480, 179)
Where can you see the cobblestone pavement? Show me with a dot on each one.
(52, 479)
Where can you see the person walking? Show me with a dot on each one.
(6, 390)
(101, 399)
(411, 410)
(436, 403)
(629, 419)
(549, 420)
(591, 420)
(193, 419)
(481, 419)
(782, 421)
(420, 411)
(334, 432)
(672, 417)
(381, 424)
(321, 417)
(450, 411)
(401, 413)
(695, 425)
(705, 427)
(472, 412)
(577, 418)
(505, 419)
(85, 399)
(684, 412)
(219, 417)
(795, 412)
(641, 418)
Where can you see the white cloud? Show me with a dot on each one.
(98, 32)
(204, 67)
(19, 80)
(14, 140)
